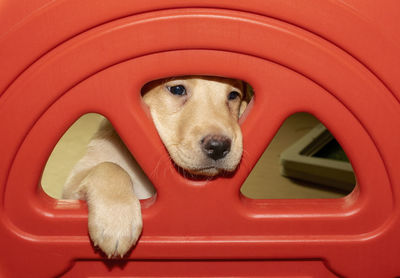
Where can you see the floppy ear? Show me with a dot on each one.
(242, 108)
(248, 94)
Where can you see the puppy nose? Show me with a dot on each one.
(216, 146)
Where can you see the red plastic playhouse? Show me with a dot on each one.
(338, 60)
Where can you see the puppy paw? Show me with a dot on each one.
(115, 227)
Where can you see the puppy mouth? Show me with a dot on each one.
(207, 170)
(203, 166)
(198, 173)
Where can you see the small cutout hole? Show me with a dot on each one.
(303, 161)
(69, 150)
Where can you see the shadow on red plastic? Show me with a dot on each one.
(202, 268)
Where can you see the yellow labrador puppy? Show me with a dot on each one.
(197, 120)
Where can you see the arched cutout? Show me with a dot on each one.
(69, 150)
(303, 161)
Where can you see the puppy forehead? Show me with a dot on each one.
(209, 83)
(207, 80)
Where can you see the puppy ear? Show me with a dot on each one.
(248, 95)
(242, 108)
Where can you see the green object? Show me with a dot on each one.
(332, 150)
(318, 158)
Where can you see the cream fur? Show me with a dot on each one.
(111, 181)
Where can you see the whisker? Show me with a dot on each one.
(155, 171)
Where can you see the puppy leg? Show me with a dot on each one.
(115, 220)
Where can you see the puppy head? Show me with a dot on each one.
(197, 120)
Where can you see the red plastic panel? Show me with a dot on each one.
(95, 57)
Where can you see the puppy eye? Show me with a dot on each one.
(233, 95)
(178, 90)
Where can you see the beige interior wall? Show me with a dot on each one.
(68, 151)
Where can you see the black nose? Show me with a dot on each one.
(216, 146)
